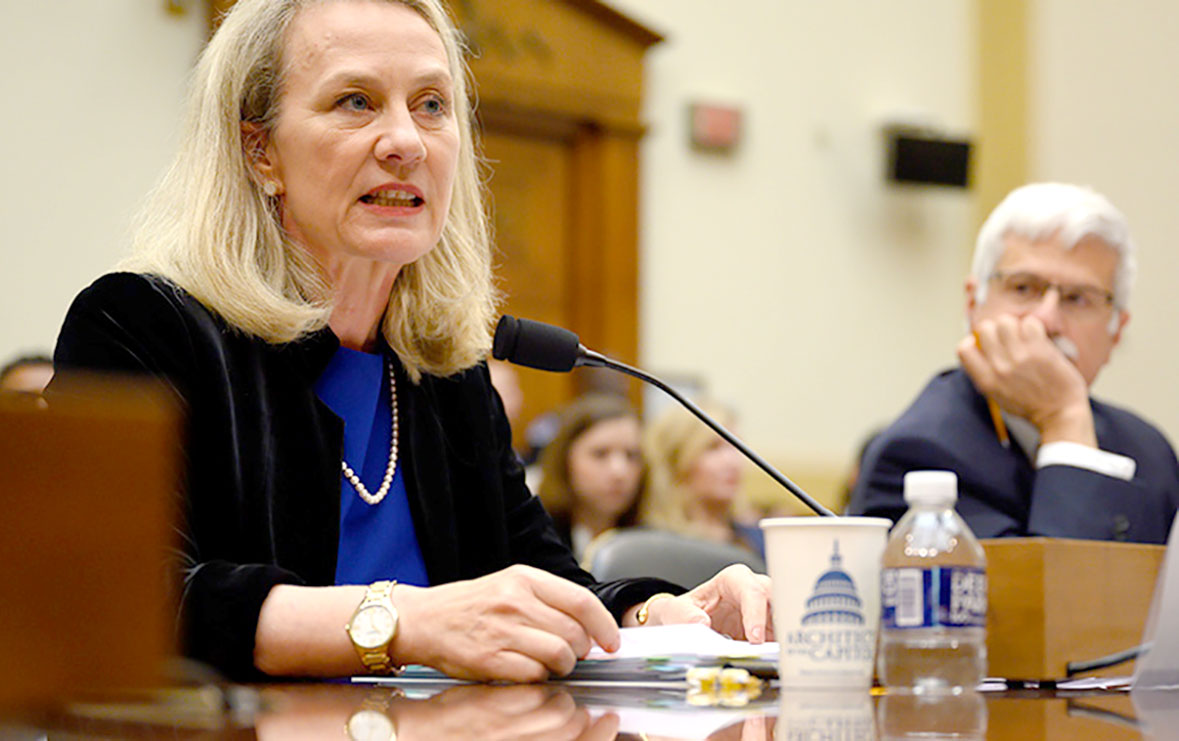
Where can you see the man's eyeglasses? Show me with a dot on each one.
(1028, 289)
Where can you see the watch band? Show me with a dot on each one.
(376, 659)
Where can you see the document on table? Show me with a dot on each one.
(682, 640)
(666, 653)
(650, 656)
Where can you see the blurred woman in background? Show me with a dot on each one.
(695, 479)
(593, 469)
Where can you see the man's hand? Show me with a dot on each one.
(1016, 363)
(520, 624)
(735, 602)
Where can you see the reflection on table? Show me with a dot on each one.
(562, 711)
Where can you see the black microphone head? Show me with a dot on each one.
(535, 344)
(503, 343)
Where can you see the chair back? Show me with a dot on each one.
(634, 552)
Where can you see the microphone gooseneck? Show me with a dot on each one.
(545, 347)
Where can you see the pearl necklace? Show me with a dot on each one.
(389, 469)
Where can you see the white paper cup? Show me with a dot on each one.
(826, 597)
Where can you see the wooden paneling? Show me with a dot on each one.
(217, 9)
(606, 243)
(579, 59)
(563, 79)
(532, 186)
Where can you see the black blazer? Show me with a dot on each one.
(262, 492)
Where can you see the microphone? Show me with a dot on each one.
(536, 345)
(545, 347)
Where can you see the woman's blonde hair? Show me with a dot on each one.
(671, 445)
(556, 489)
(210, 228)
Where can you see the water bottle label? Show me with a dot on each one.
(938, 597)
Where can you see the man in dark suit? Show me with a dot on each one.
(1046, 302)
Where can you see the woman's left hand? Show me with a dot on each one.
(735, 602)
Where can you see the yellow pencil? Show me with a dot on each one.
(996, 415)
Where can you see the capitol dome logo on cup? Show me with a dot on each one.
(826, 597)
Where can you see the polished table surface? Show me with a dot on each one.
(559, 711)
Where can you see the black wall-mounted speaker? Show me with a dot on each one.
(920, 159)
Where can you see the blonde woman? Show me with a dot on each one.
(313, 279)
(695, 479)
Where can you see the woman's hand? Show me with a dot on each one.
(735, 602)
(520, 624)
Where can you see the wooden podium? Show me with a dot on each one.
(1053, 601)
(87, 491)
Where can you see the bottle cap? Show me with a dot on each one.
(931, 488)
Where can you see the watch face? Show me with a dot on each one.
(369, 725)
(372, 627)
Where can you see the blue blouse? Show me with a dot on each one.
(376, 541)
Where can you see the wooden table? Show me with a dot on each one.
(556, 711)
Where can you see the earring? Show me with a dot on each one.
(270, 189)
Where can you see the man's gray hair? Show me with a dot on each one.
(1070, 212)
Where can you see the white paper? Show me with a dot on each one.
(693, 639)
(1158, 668)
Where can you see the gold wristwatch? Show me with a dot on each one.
(373, 627)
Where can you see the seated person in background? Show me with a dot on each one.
(313, 278)
(695, 478)
(1047, 301)
(592, 471)
(28, 374)
(587, 380)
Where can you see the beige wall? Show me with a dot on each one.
(810, 294)
(800, 287)
(89, 102)
(1105, 111)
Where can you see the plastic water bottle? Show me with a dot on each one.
(933, 594)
